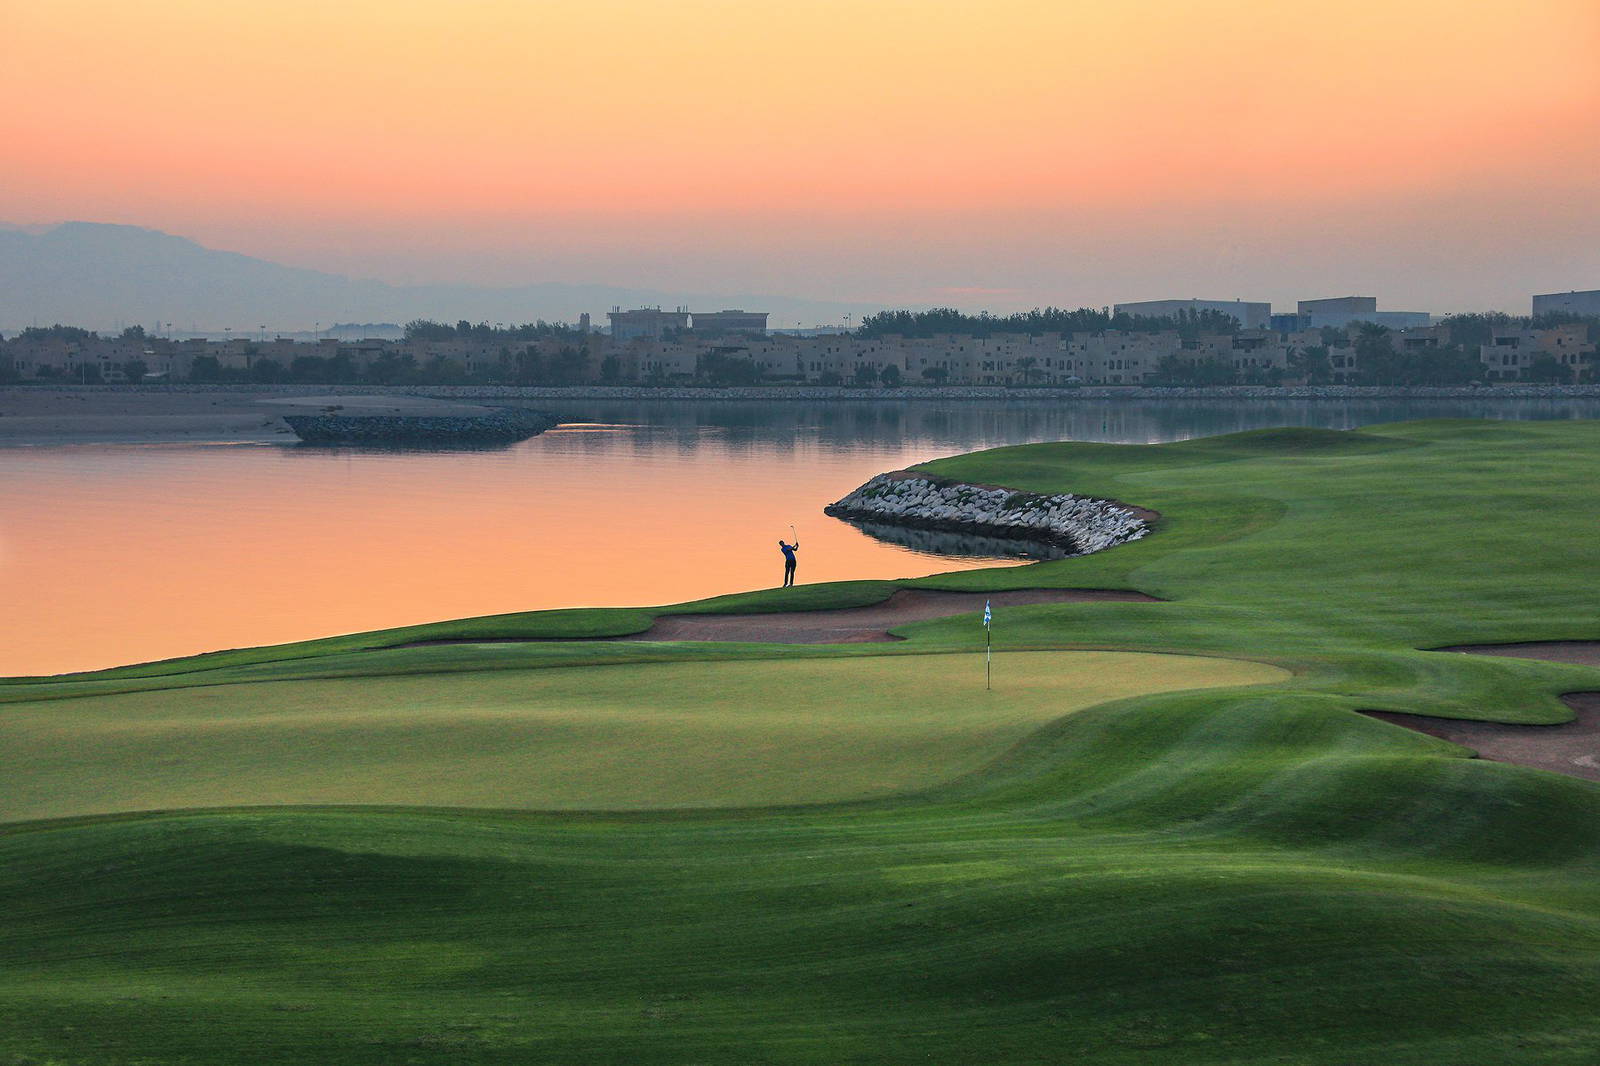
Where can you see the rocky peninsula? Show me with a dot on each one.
(499, 425)
(1064, 523)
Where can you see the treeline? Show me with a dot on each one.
(425, 329)
(948, 320)
(569, 365)
(1470, 330)
(73, 334)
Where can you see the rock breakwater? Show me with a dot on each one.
(502, 425)
(1067, 524)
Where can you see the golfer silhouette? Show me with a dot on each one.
(788, 560)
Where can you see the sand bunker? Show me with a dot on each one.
(1577, 652)
(850, 625)
(1572, 748)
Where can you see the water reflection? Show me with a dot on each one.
(945, 543)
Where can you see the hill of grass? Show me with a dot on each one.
(1227, 875)
(709, 734)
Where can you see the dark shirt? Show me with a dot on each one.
(788, 551)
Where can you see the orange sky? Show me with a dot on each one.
(880, 151)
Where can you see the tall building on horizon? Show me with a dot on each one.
(1340, 311)
(1577, 302)
(734, 321)
(649, 323)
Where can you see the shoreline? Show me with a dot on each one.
(1508, 390)
(35, 415)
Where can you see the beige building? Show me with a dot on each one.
(1511, 352)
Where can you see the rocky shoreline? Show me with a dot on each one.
(505, 425)
(1065, 524)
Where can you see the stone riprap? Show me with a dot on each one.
(1075, 525)
(502, 425)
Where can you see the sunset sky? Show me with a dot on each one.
(1003, 153)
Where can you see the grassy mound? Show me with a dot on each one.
(1177, 876)
(709, 734)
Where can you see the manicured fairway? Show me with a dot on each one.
(673, 735)
(1248, 874)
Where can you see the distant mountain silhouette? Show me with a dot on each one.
(98, 276)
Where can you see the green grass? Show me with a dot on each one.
(709, 734)
(1234, 875)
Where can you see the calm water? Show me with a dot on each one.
(121, 553)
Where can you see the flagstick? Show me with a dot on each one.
(987, 659)
(988, 655)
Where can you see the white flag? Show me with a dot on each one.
(987, 614)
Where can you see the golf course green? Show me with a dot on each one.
(1167, 836)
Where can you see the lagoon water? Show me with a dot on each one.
(119, 553)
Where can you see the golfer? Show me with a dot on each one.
(788, 560)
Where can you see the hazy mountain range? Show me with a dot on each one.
(102, 276)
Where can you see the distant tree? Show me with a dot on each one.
(1312, 364)
(935, 374)
(1548, 370)
(1194, 373)
(56, 332)
(865, 374)
(135, 370)
(1040, 320)
(309, 370)
(442, 371)
(89, 374)
(829, 378)
(1446, 365)
(726, 368)
(569, 366)
(889, 375)
(205, 368)
(1029, 365)
(341, 369)
(1377, 362)
(1470, 331)
(270, 371)
(530, 369)
(392, 368)
(610, 369)
(133, 333)
(425, 329)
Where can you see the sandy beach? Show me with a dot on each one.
(31, 415)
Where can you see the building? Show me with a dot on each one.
(1340, 311)
(649, 323)
(710, 322)
(1585, 302)
(1248, 315)
(1511, 352)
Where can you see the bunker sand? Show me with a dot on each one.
(1571, 748)
(1576, 652)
